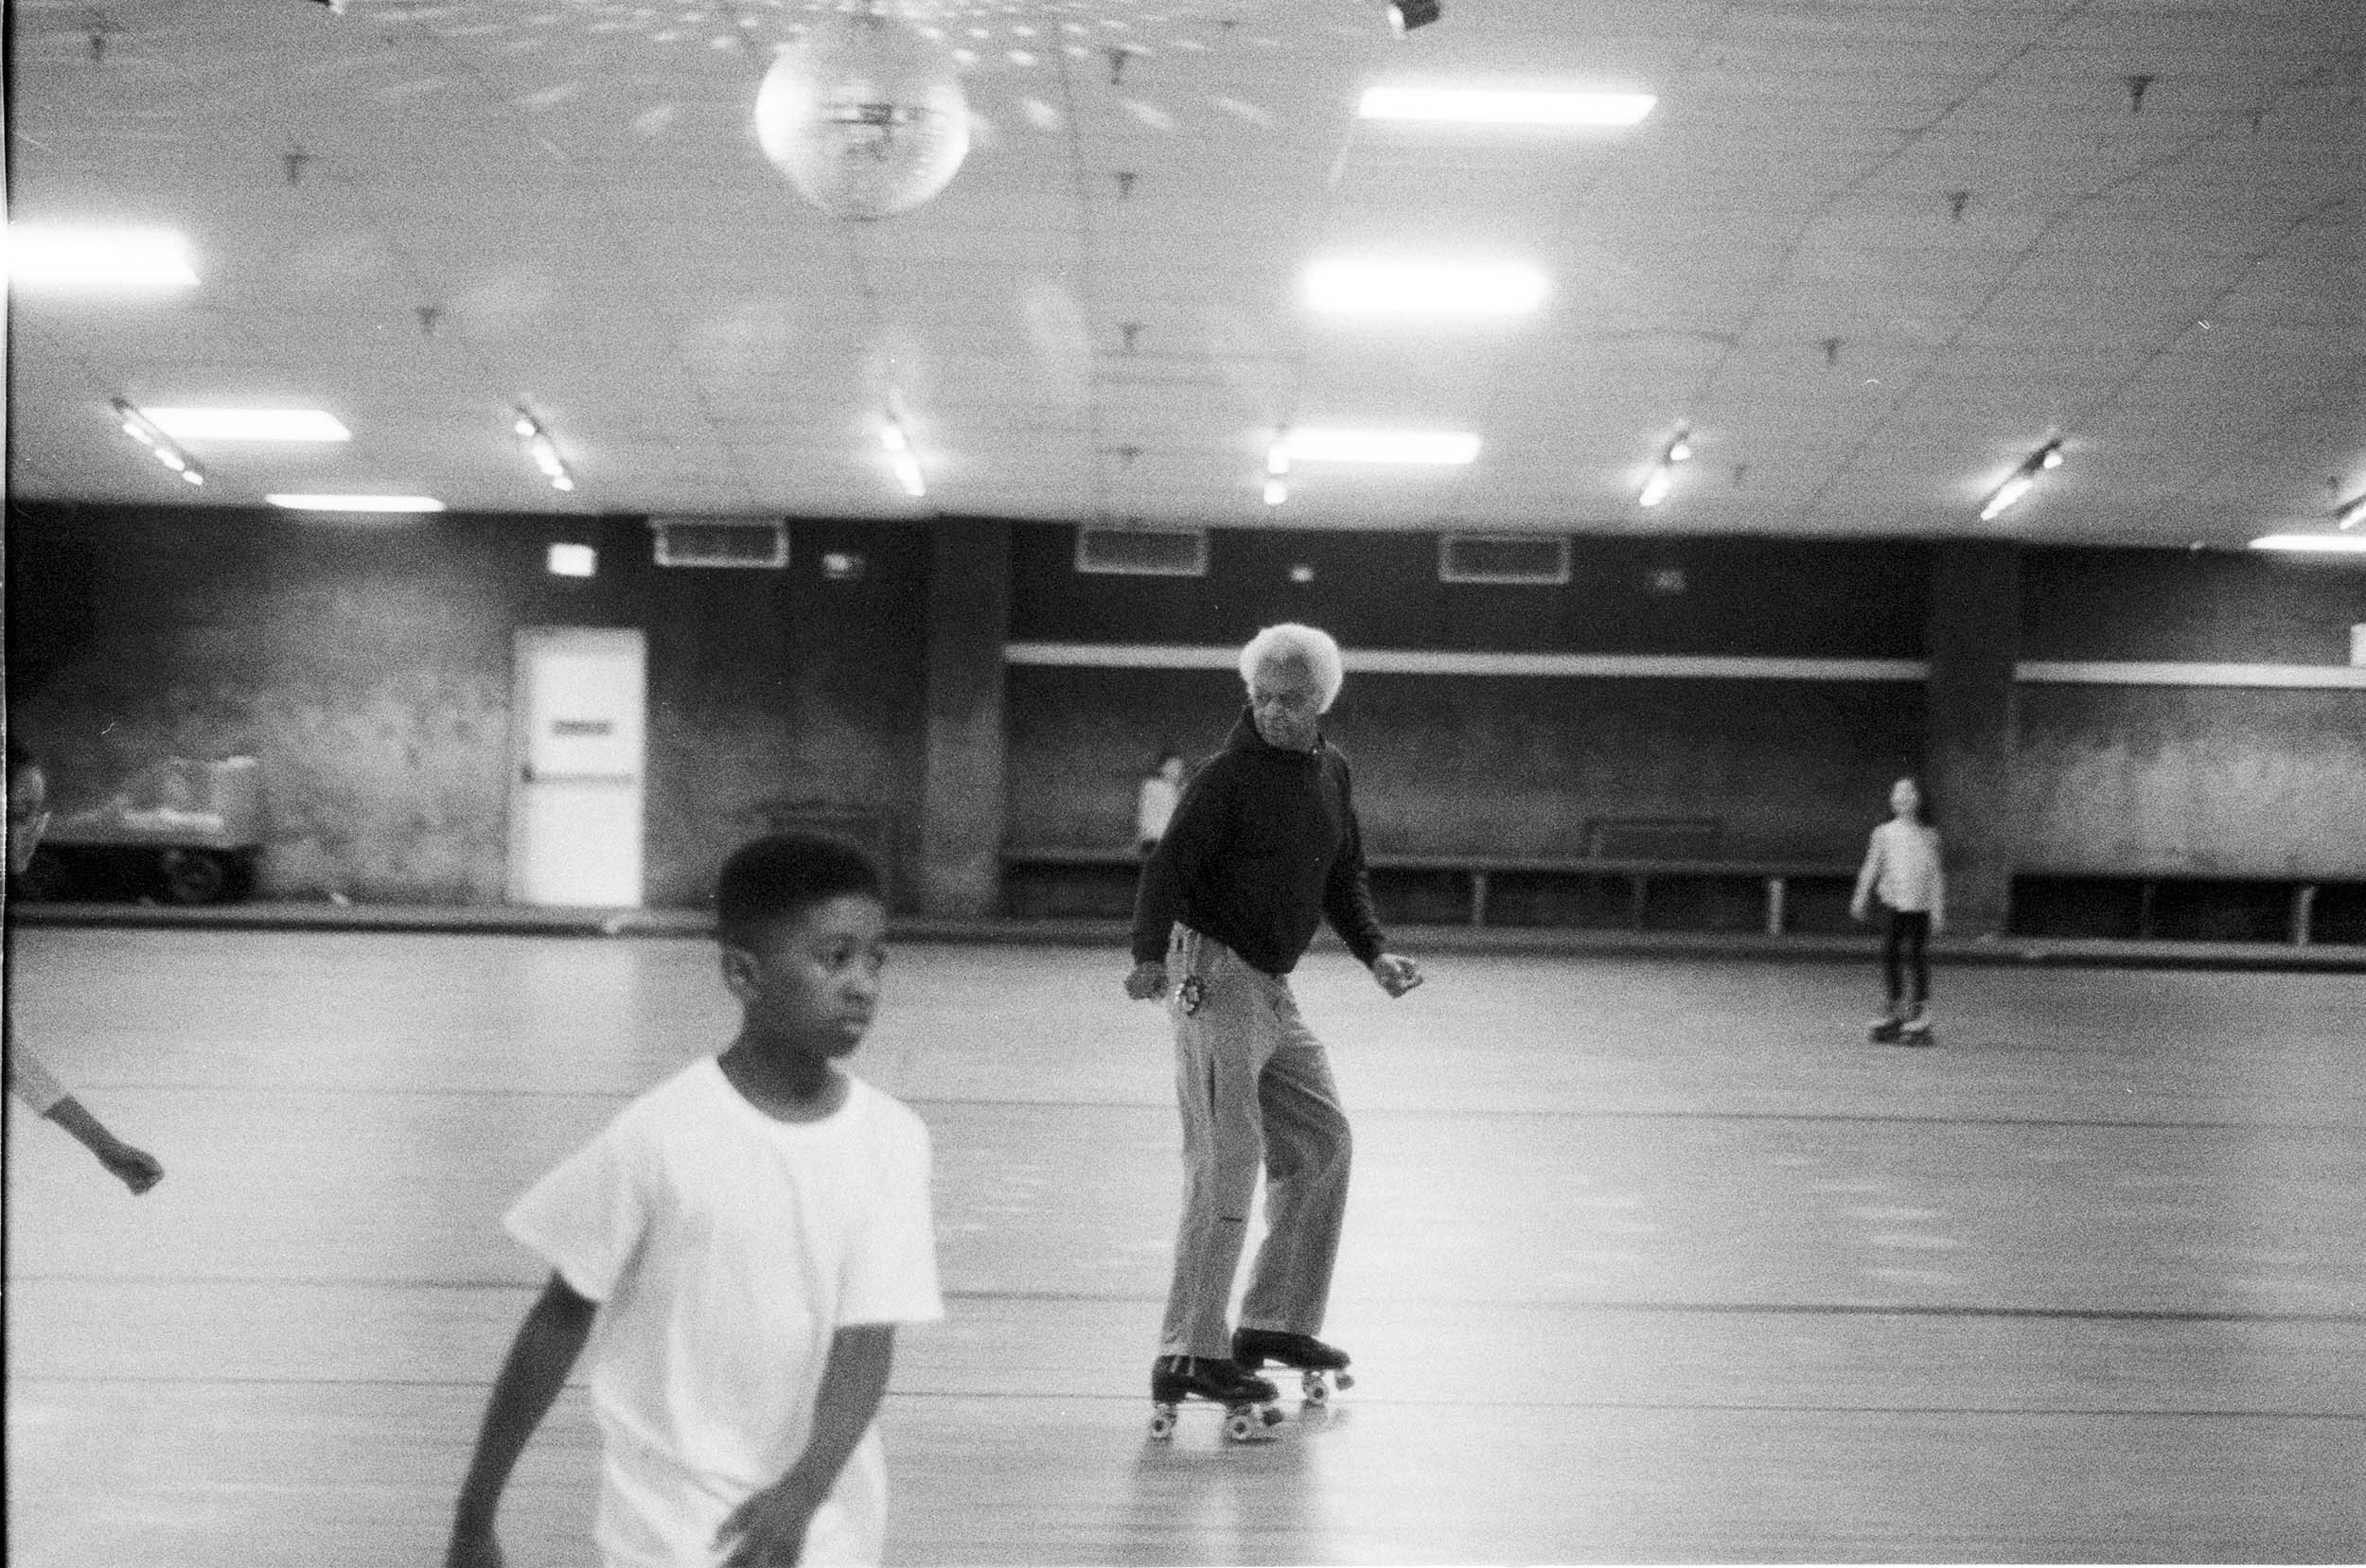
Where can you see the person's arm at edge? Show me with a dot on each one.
(540, 1358)
(32, 1082)
(1347, 904)
(1860, 903)
(853, 1385)
(1938, 886)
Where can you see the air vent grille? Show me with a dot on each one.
(1143, 552)
(744, 543)
(1542, 559)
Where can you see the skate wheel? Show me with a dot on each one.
(1345, 1380)
(1240, 1426)
(1162, 1424)
(1315, 1390)
(1269, 1415)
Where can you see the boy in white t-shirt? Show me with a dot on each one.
(736, 1247)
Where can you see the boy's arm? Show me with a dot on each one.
(544, 1352)
(770, 1525)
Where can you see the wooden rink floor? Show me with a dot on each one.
(1647, 1259)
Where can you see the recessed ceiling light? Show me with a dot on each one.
(98, 260)
(1373, 446)
(2341, 544)
(356, 503)
(217, 424)
(1485, 106)
(1423, 288)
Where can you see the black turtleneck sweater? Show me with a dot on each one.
(1262, 846)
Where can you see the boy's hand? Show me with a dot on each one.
(473, 1549)
(135, 1168)
(769, 1527)
(1148, 983)
(1396, 975)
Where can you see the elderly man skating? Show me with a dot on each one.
(1263, 848)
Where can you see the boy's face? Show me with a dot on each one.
(812, 983)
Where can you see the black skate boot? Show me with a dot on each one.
(1248, 1402)
(1304, 1353)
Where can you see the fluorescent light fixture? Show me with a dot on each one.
(356, 503)
(2351, 512)
(2341, 544)
(1424, 288)
(1277, 491)
(574, 560)
(160, 447)
(98, 260)
(544, 452)
(2017, 484)
(221, 424)
(908, 475)
(1662, 475)
(1377, 446)
(1482, 106)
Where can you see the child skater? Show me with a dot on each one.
(744, 1237)
(1901, 866)
(30, 1082)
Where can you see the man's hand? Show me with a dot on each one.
(1148, 983)
(1859, 909)
(769, 1529)
(473, 1548)
(1396, 975)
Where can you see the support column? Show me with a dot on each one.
(961, 803)
(1972, 636)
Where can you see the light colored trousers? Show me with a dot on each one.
(1255, 1090)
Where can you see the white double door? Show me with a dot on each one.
(579, 729)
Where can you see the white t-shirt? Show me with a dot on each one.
(726, 1248)
(1906, 860)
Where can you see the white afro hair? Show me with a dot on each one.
(1304, 647)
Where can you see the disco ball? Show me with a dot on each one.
(865, 116)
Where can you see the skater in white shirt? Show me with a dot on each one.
(1902, 870)
(746, 1237)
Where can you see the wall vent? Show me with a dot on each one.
(1542, 559)
(757, 542)
(1143, 552)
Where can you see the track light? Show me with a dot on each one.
(899, 448)
(1406, 15)
(544, 452)
(1661, 478)
(142, 430)
(2351, 512)
(2018, 483)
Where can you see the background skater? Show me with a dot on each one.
(1901, 867)
(1264, 846)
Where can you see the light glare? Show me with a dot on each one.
(2006, 493)
(1655, 488)
(1481, 106)
(1436, 289)
(2341, 544)
(356, 503)
(218, 424)
(98, 260)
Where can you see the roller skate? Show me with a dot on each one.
(1248, 1402)
(1314, 1361)
(1915, 1029)
(1887, 1029)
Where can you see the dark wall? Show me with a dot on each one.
(1499, 765)
(368, 667)
(2166, 779)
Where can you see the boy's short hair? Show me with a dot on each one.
(779, 877)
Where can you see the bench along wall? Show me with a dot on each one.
(368, 667)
